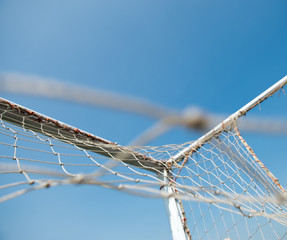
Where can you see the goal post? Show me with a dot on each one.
(183, 156)
(232, 118)
(175, 214)
(34, 121)
(214, 187)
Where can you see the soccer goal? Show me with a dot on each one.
(214, 187)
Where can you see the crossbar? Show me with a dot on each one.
(228, 121)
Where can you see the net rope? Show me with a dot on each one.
(224, 190)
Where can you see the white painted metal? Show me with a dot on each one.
(175, 215)
(228, 121)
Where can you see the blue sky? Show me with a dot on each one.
(217, 55)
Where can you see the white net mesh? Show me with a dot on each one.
(233, 195)
(224, 191)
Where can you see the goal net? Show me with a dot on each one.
(220, 188)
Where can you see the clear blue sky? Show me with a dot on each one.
(217, 55)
